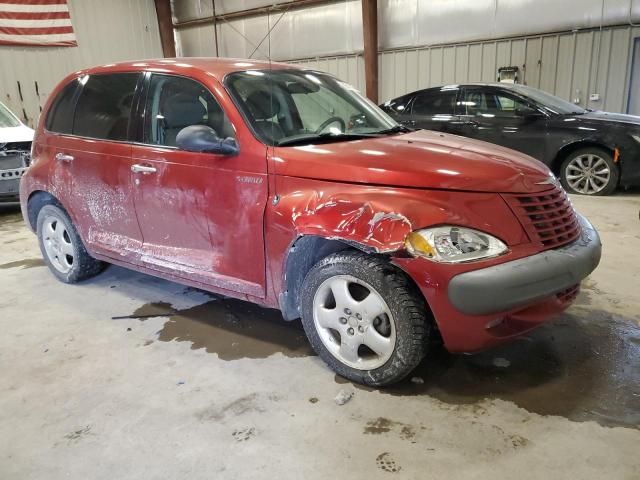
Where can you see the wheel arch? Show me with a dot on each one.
(38, 199)
(303, 253)
(569, 148)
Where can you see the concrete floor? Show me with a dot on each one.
(127, 376)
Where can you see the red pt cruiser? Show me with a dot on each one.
(287, 188)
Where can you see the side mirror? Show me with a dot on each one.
(202, 138)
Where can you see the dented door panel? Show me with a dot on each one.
(201, 215)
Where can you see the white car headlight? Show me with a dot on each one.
(452, 244)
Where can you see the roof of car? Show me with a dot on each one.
(480, 84)
(218, 67)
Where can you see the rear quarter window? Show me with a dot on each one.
(60, 116)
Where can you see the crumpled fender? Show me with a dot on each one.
(354, 219)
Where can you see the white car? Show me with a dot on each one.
(15, 153)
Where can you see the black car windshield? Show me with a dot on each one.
(289, 107)
(7, 119)
(551, 102)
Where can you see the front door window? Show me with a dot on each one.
(174, 103)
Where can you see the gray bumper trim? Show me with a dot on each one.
(517, 283)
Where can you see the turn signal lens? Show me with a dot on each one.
(452, 244)
(417, 245)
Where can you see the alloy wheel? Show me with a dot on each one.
(588, 173)
(354, 322)
(57, 244)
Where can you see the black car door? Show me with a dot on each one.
(434, 109)
(498, 116)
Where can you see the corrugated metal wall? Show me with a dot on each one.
(107, 31)
(334, 28)
(571, 65)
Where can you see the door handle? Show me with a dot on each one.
(145, 169)
(63, 157)
(465, 123)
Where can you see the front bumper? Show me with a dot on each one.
(10, 183)
(477, 307)
(524, 281)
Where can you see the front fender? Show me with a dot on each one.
(370, 225)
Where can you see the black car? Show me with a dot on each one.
(592, 152)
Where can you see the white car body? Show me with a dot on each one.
(21, 133)
(15, 146)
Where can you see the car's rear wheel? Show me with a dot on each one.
(589, 171)
(364, 318)
(61, 247)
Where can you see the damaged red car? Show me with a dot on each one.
(287, 188)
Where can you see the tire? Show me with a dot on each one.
(579, 172)
(61, 247)
(337, 333)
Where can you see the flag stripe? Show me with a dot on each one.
(34, 15)
(4, 23)
(35, 2)
(35, 31)
(11, 7)
(63, 39)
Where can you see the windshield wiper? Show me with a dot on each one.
(395, 129)
(323, 138)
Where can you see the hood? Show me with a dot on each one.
(21, 133)
(423, 159)
(610, 117)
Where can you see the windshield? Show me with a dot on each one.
(287, 107)
(7, 119)
(551, 102)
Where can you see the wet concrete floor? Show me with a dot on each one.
(130, 372)
(231, 328)
(584, 366)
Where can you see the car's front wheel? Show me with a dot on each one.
(590, 171)
(364, 318)
(62, 249)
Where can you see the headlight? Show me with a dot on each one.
(451, 244)
(636, 137)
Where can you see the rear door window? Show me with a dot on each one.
(104, 106)
(492, 103)
(439, 102)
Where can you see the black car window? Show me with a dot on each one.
(398, 106)
(104, 106)
(174, 103)
(493, 103)
(60, 116)
(440, 102)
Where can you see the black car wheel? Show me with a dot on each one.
(589, 171)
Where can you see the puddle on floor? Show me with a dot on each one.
(26, 263)
(584, 366)
(231, 328)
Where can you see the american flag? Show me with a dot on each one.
(36, 22)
